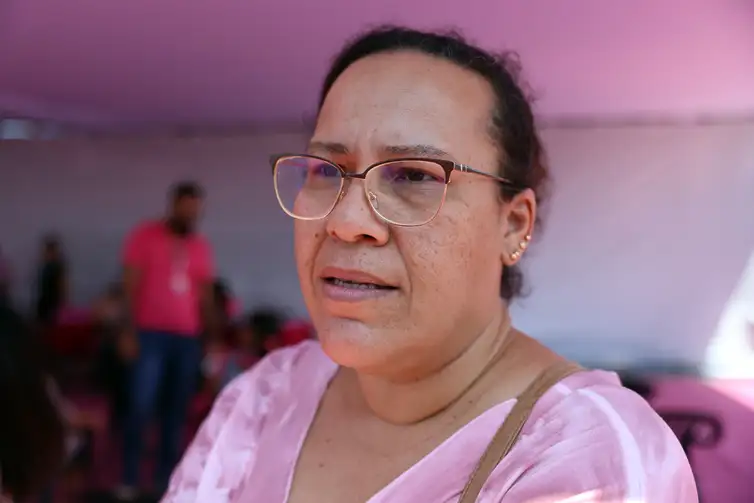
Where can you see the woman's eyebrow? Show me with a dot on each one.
(418, 150)
(327, 147)
(409, 150)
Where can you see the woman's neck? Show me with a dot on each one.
(411, 401)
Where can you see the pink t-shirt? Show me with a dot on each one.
(589, 440)
(172, 272)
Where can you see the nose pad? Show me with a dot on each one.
(344, 189)
(373, 200)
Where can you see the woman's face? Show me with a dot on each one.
(444, 277)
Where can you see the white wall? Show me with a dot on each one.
(648, 233)
(92, 193)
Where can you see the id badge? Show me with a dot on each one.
(179, 283)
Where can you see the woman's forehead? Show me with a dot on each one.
(413, 86)
(391, 101)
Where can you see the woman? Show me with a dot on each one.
(414, 203)
(31, 429)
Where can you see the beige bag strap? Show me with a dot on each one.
(507, 435)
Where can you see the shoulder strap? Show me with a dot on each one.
(507, 435)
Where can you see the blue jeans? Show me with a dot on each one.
(167, 368)
(48, 495)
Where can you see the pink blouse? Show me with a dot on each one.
(589, 440)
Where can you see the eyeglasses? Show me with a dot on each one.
(406, 192)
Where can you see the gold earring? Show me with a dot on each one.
(521, 248)
(525, 243)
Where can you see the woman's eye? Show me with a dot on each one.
(323, 169)
(413, 175)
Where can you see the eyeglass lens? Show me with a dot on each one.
(401, 192)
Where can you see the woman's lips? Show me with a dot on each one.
(353, 276)
(348, 285)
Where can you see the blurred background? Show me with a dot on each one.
(646, 262)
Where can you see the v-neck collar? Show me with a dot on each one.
(489, 419)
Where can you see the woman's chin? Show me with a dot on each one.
(352, 344)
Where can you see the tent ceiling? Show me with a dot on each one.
(196, 62)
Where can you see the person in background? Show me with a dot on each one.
(222, 364)
(218, 351)
(5, 280)
(223, 314)
(168, 285)
(79, 433)
(32, 432)
(291, 333)
(52, 282)
(110, 318)
(264, 329)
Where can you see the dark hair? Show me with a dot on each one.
(222, 294)
(31, 428)
(115, 290)
(266, 322)
(512, 127)
(186, 189)
(51, 243)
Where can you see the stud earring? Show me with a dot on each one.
(521, 247)
(524, 243)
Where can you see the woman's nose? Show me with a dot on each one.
(353, 219)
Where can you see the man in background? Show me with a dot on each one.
(168, 275)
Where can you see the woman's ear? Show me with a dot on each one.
(517, 224)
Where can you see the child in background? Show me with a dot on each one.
(248, 351)
(225, 360)
(253, 341)
(216, 351)
(110, 319)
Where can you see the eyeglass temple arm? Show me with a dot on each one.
(463, 168)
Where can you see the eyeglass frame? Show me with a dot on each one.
(447, 165)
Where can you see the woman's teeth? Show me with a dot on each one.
(352, 284)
